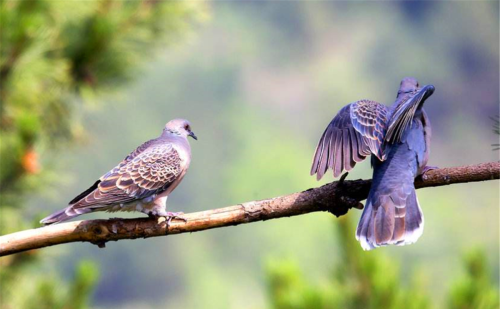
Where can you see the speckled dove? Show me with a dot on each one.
(142, 181)
(398, 138)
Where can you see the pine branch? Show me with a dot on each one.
(337, 197)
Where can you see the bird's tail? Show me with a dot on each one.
(62, 215)
(390, 220)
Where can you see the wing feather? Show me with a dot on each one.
(339, 163)
(404, 112)
(347, 155)
(317, 153)
(144, 174)
(356, 154)
(353, 134)
(323, 165)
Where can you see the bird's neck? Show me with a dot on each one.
(171, 132)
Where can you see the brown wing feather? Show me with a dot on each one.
(339, 163)
(149, 172)
(356, 132)
(132, 155)
(369, 118)
(347, 156)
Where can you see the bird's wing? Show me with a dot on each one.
(131, 156)
(402, 115)
(356, 132)
(147, 173)
(139, 150)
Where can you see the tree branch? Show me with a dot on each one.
(336, 197)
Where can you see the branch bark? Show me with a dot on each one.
(336, 197)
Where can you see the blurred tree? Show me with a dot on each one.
(371, 280)
(475, 289)
(50, 295)
(55, 57)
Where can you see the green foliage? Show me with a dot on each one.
(289, 290)
(372, 280)
(52, 52)
(55, 56)
(475, 289)
(48, 291)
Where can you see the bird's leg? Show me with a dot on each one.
(344, 203)
(169, 216)
(159, 210)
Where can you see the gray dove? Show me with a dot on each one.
(398, 140)
(142, 181)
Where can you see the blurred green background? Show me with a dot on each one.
(85, 82)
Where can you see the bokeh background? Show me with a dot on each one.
(85, 82)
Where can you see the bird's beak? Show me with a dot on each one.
(192, 135)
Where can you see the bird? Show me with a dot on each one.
(398, 140)
(142, 181)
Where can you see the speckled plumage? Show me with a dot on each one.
(140, 182)
(399, 139)
(356, 131)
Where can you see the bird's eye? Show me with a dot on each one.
(186, 127)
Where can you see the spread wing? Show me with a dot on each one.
(144, 172)
(356, 132)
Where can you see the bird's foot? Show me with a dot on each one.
(343, 204)
(169, 216)
(175, 215)
(426, 169)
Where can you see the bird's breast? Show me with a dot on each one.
(184, 155)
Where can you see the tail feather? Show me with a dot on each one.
(389, 223)
(414, 221)
(384, 224)
(63, 215)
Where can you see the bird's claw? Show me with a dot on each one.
(342, 178)
(344, 204)
(426, 169)
(176, 215)
(169, 216)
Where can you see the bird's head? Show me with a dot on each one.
(180, 127)
(408, 85)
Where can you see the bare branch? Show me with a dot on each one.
(335, 197)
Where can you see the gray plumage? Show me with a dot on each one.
(142, 181)
(399, 140)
